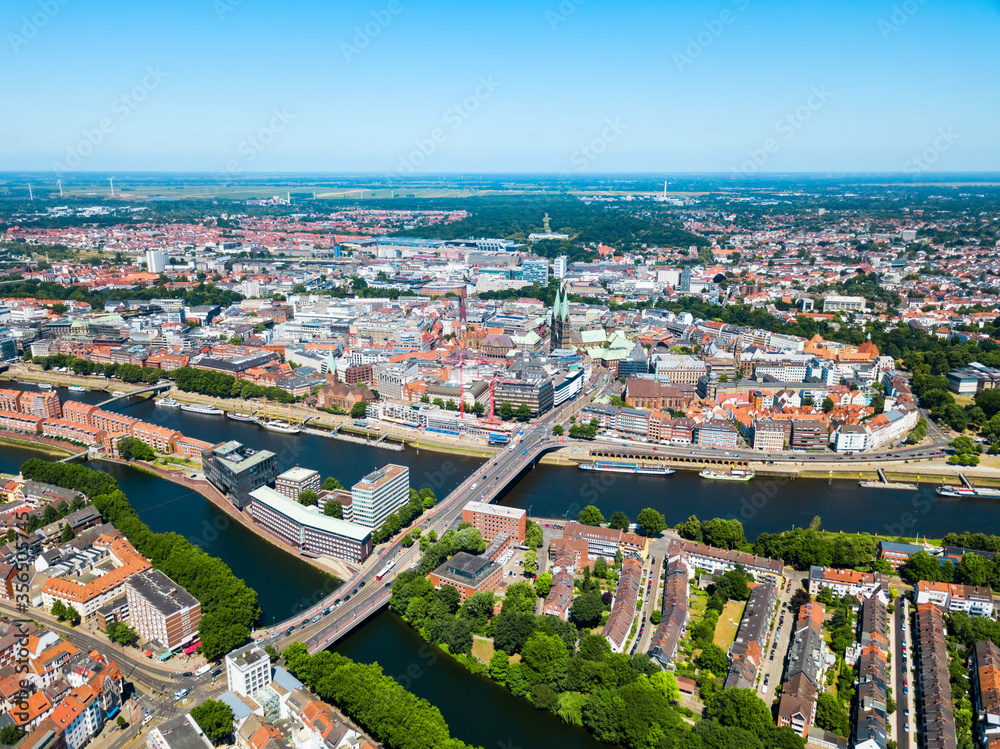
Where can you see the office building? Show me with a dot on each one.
(539, 395)
(248, 669)
(308, 529)
(535, 271)
(296, 480)
(236, 470)
(160, 609)
(379, 494)
(559, 267)
(155, 261)
(835, 303)
(492, 520)
(468, 574)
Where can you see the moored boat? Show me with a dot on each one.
(735, 474)
(238, 416)
(198, 408)
(168, 403)
(612, 466)
(279, 426)
(955, 491)
(77, 389)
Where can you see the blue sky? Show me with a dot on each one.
(515, 85)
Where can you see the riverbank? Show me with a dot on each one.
(40, 444)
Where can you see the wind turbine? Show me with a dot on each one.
(31, 195)
(59, 182)
(111, 180)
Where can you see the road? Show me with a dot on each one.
(363, 594)
(902, 658)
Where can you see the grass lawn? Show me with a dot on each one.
(729, 623)
(482, 648)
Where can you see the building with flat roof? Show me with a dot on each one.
(180, 732)
(468, 574)
(308, 529)
(379, 494)
(835, 303)
(296, 480)
(159, 609)
(248, 669)
(493, 520)
(236, 470)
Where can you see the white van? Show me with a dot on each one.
(203, 670)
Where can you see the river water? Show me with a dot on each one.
(486, 714)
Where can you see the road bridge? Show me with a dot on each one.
(153, 389)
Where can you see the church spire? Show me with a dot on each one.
(331, 369)
(555, 306)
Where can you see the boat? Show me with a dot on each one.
(168, 403)
(613, 466)
(736, 474)
(119, 393)
(239, 417)
(955, 491)
(45, 385)
(77, 389)
(279, 426)
(198, 408)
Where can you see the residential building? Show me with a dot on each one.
(986, 691)
(750, 646)
(897, 554)
(606, 542)
(180, 732)
(716, 561)
(933, 684)
(623, 608)
(808, 660)
(379, 494)
(674, 613)
(236, 470)
(861, 585)
(159, 609)
(951, 597)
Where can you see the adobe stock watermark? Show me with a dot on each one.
(561, 14)
(365, 34)
(257, 142)
(900, 16)
(923, 161)
(224, 7)
(713, 29)
(786, 128)
(32, 25)
(455, 118)
(122, 108)
(590, 152)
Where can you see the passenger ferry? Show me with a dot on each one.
(45, 385)
(279, 426)
(238, 416)
(612, 466)
(119, 393)
(168, 403)
(198, 408)
(77, 389)
(736, 474)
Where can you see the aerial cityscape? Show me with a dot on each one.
(552, 374)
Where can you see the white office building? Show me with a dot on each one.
(379, 494)
(248, 669)
(156, 261)
(559, 267)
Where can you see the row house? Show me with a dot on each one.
(748, 649)
(973, 600)
(808, 660)
(568, 555)
(674, 613)
(607, 542)
(15, 422)
(933, 684)
(986, 689)
(67, 430)
(861, 585)
(159, 438)
(716, 561)
(623, 608)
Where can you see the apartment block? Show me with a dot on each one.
(68, 430)
(379, 494)
(973, 600)
(861, 585)
(161, 610)
(751, 639)
(46, 405)
(248, 669)
(716, 561)
(933, 684)
(605, 542)
(296, 480)
(986, 691)
(468, 574)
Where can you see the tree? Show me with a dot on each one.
(67, 533)
(713, 658)
(499, 665)
(333, 509)
(651, 521)
(130, 448)
(741, 708)
(666, 683)
(590, 515)
(533, 536)
(523, 412)
(308, 498)
(586, 609)
(543, 584)
(601, 568)
(530, 562)
(122, 634)
(690, 529)
(830, 716)
(505, 411)
(215, 718)
(519, 597)
(619, 521)
(558, 430)
(828, 404)
(120, 722)
(331, 484)
(358, 410)
(58, 609)
(71, 615)
(10, 734)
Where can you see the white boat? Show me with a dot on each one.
(77, 389)
(239, 417)
(279, 426)
(119, 393)
(736, 474)
(168, 403)
(45, 385)
(198, 408)
(955, 491)
(612, 466)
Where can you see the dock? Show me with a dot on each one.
(980, 491)
(381, 442)
(884, 483)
